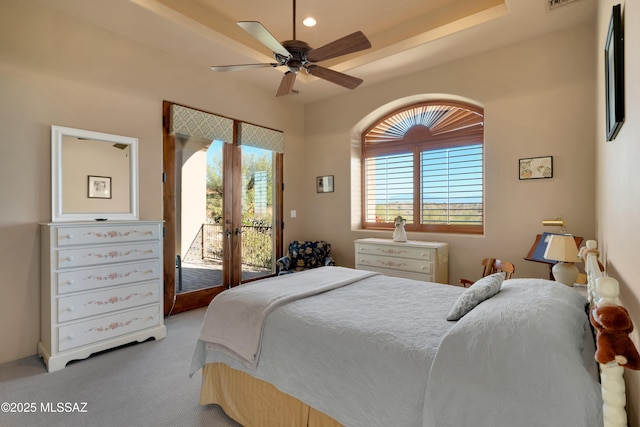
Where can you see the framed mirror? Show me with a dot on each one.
(94, 175)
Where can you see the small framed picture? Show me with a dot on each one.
(324, 184)
(536, 168)
(99, 187)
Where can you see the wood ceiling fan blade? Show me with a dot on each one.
(348, 44)
(286, 84)
(263, 35)
(336, 77)
(240, 67)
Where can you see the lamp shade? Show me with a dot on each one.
(562, 248)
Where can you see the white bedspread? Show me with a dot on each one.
(380, 352)
(234, 320)
(516, 357)
(360, 353)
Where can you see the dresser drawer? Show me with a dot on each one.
(398, 251)
(103, 328)
(91, 304)
(111, 275)
(399, 273)
(404, 264)
(106, 234)
(106, 254)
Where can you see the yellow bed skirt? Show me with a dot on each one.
(253, 402)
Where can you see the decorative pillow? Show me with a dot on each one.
(481, 290)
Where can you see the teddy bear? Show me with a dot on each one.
(613, 326)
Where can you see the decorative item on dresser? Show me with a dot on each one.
(101, 287)
(414, 259)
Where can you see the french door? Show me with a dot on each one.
(222, 213)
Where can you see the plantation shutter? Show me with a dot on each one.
(389, 187)
(425, 163)
(452, 185)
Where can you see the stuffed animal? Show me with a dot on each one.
(613, 326)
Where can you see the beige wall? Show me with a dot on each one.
(57, 70)
(538, 99)
(617, 184)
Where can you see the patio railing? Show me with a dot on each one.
(257, 244)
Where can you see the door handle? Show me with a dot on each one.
(238, 231)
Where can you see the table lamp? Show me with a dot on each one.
(563, 248)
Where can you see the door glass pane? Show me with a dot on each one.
(199, 215)
(257, 212)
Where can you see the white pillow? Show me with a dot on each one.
(481, 290)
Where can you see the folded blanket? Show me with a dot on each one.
(235, 318)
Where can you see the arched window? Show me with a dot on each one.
(424, 163)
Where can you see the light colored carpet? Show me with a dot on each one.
(145, 384)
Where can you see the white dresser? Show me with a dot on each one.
(101, 287)
(414, 259)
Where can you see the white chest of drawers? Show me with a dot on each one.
(418, 260)
(101, 287)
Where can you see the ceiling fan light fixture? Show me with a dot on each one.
(296, 55)
(309, 22)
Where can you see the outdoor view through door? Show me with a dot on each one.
(203, 245)
(223, 216)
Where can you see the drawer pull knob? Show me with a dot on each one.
(68, 282)
(70, 258)
(70, 308)
(70, 337)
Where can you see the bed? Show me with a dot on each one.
(335, 346)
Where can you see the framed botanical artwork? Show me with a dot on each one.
(614, 74)
(536, 167)
(99, 187)
(324, 184)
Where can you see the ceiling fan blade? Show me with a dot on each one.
(286, 84)
(348, 44)
(263, 35)
(336, 77)
(220, 68)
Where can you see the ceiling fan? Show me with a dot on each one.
(297, 55)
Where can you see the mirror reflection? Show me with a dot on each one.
(94, 175)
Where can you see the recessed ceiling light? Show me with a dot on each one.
(309, 22)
